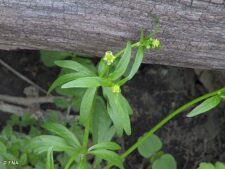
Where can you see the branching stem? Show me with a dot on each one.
(165, 120)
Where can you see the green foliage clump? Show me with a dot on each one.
(95, 91)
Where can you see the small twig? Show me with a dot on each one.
(29, 100)
(8, 108)
(22, 76)
(20, 111)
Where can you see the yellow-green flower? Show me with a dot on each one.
(116, 88)
(155, 43)
(148, 43)
(109, 57)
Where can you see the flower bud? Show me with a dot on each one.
(116, 89)
(155, 43)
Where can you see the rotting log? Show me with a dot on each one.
(192, 31)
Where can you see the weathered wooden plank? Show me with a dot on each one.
(192, 31)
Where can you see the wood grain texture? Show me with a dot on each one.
(192, 31)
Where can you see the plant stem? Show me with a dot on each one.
(69, 163)
(86, 135)
(87, 130)
(165, 120)
(134, 45)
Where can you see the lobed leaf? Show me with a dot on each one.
(117, 113)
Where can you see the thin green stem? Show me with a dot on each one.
(72, 159)
(87, 130)
(86, 135)
(68, 112)
(165, 120)
(135, 45)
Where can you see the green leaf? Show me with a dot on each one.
(101, 126)
(126, 105)
(62, 103)
(117, 113)
(39, 165)
(62, 131)
(105, 145)
(73, 65)
(50, 161)
(205, 106)
(23, 159)
(3, 148)
(222, 95)
(123, 63)
(117, 123)
(137, 62)
(150, 146)
(49, 57)
(87, 62)
(166, 161)
(124, 110)
(102, 66)
(87, 82)
(8, 156)
(206, 166)
(219, 165)
(7, 131)
(42, 143)
(64, 79)
(87, 104)
(109, 156)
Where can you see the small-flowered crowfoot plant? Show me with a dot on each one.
(105, 113)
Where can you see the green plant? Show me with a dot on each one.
(151, 149)
(105, 112)
(217, 165)
(14, 137)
